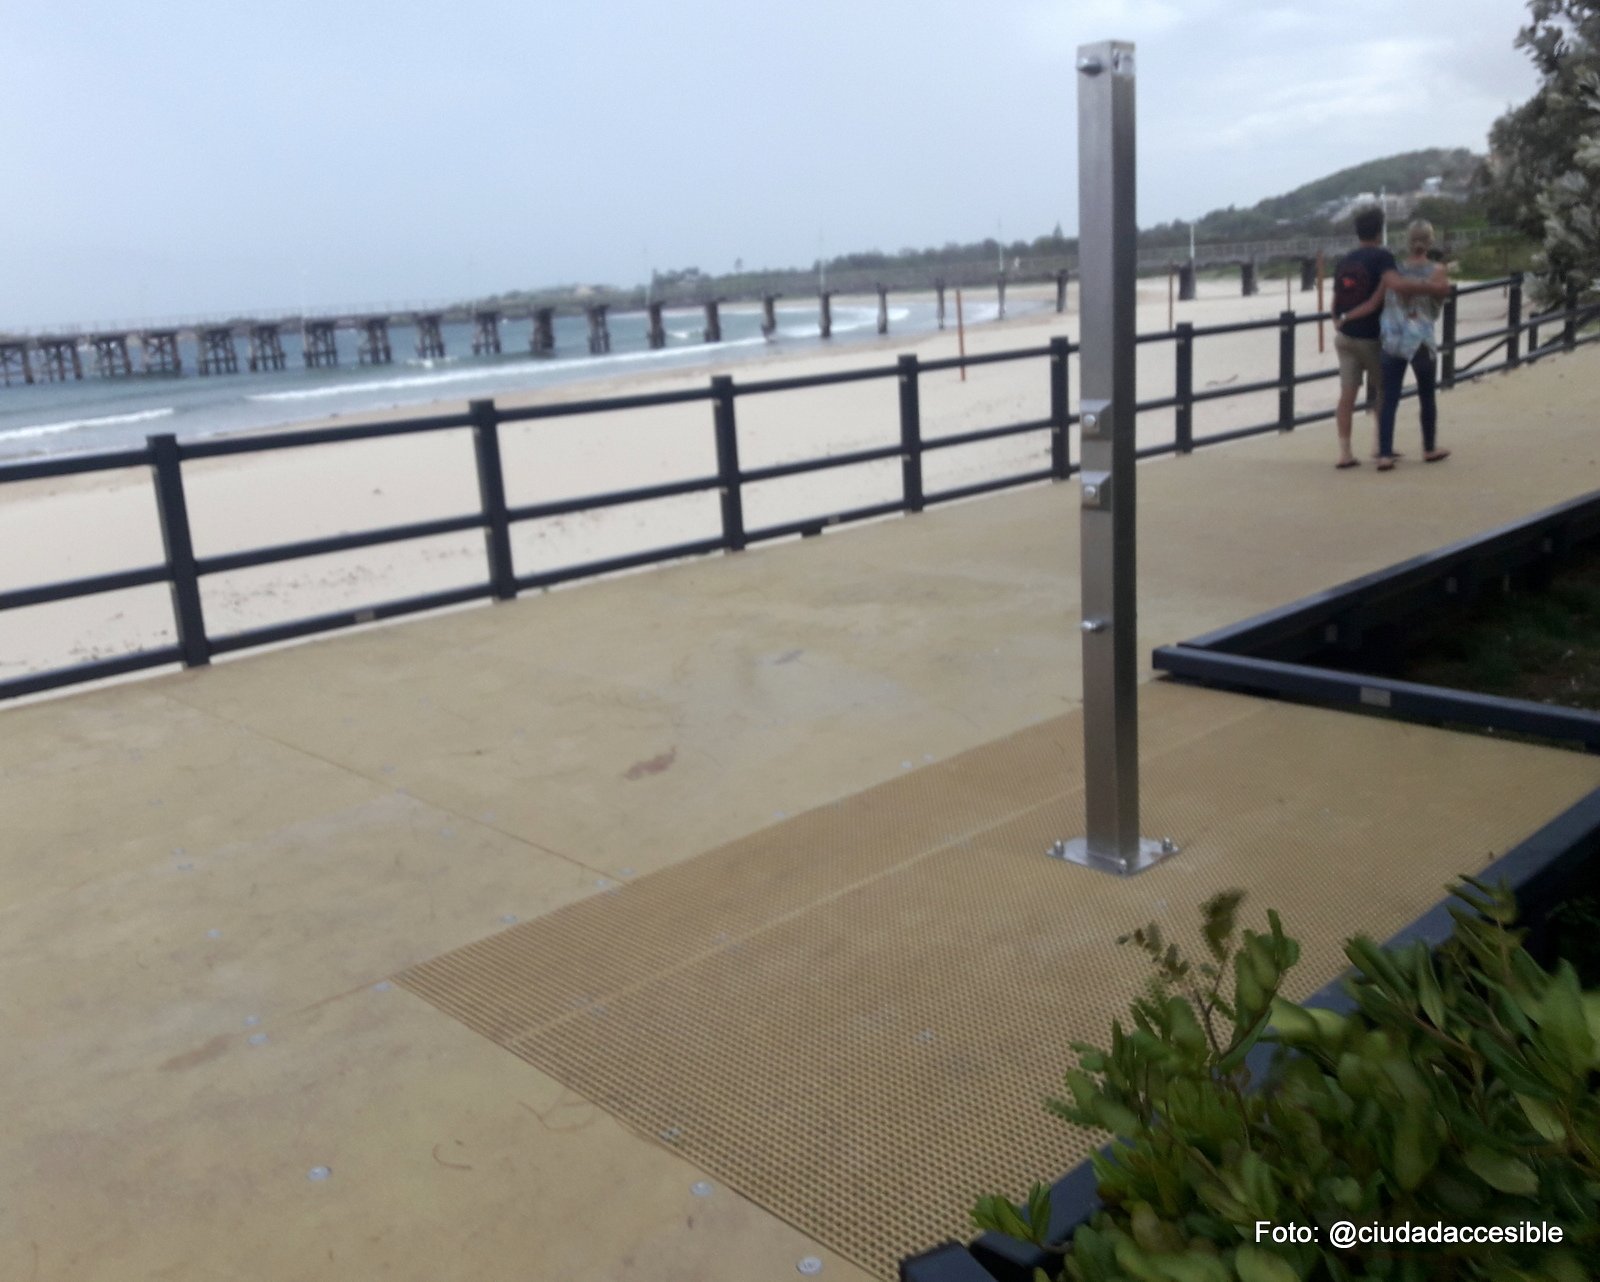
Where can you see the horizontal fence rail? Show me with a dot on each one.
(184, 568)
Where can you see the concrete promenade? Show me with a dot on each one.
(208, 879)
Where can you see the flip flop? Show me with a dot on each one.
(1385, 465)
(1438, 456)
(1349, 462)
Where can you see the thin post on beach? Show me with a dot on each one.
(961, 337)
(1170, 270)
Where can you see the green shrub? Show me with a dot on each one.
(1461, 1091)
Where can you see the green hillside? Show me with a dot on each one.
(1305, 209)
(1402, 173)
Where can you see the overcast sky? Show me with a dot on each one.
(192, 156)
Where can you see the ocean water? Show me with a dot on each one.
(117, 413)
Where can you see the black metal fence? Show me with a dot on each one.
(183, 566)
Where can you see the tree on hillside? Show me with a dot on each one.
(1545, 175)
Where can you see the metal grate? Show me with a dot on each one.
(853, 1017)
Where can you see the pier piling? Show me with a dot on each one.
(938, 290)
(486, 333)
(430, 339)
(266, 347)
(543, 341)
(713, 329)
(599, 332)
(160, 348)
(658, 330)
(111, 355)
(883, 309)
(825, 313)
(1062, 278)
(218, 355)
(14, 360)
(1247, 278)
(320, 342)
(769, 315)
(1186, 282)
(374, 348)
(1000, 287)
(58, 355)
(1308, 275)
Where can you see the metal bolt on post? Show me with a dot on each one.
(1110, 670)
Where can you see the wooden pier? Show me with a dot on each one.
(111, 355)
(543, 341)
(266, 347)
(218, 353)
(15, 363)
(320, 341)
(599, 332)
(486, 333)
(430, 339)
(374, 348)
(59, 356)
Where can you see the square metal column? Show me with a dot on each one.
(1107, 231)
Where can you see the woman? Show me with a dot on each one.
(1408, 339)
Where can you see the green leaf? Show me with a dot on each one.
(1428, 989)
(1039, 1209)
(1416, 1149)
(1543, 1118)
(1252, 1264)
(1501, 1172)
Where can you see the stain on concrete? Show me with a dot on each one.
(788, 656)
(653, 765)
(189, 1059)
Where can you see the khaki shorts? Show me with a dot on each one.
(1360, 358)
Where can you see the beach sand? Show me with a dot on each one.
(67, 528)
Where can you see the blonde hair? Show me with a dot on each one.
(1419, 236)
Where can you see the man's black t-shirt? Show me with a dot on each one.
(1376, 260)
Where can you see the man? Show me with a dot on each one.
(1357, 278)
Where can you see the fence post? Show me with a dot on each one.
(173, 509)
(1447, 343)
(1184, 388)
(728, 463)
(1569, 326)
(1514, 323)
(492, 495)
(1286, 330)
(1060, 409)
(910, 434)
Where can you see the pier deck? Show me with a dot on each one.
(775, 815)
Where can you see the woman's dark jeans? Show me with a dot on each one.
(1394, 377)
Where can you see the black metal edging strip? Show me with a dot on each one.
(53, 678)
(1406, 699)
(348, 618)
(1561, 521)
